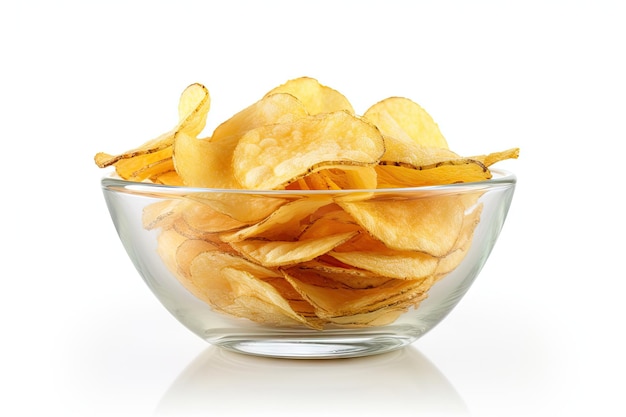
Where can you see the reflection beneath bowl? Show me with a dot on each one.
(219, 382)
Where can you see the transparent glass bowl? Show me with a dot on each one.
(190, 245)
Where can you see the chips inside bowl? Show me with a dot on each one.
(298, 213)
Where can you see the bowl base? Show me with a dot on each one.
(315, 347)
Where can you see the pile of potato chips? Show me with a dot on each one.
(302, 258)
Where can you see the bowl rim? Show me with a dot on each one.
(500, 177)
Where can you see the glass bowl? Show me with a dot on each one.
(309, 274)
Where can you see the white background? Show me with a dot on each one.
(540, 332)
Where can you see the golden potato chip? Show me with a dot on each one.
(237, 287)
(207, 283)
(271, 109)
(245, 208)
(346, 275)
(193, 107)
(452, 260)
(372, 255)
(259, 300)
(429, 225)
(329, 223)
(494, 157)
(161, 143)
(284, 223)
(272, 156)
(141, 167)
(317, 98)
(204, 218)
(281, 253)
(404, 119)
(409, 164)
(203, 163)
(302, 307)
(168, 242)
(170, 178)
(189, 250)
(379, 317)
(375, 318)
(448, 172)
(334, 299)
(359, 178)
(207, 162)
(160, 214)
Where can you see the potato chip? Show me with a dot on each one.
(144, 166)
(271, 109)
(260, 301)
(287, 222)
(302, 307)
(449, 172)
(245, 208)
(317, 98)
(410, 164)
(193, 107)
(203, 218)
(346, 179)
(238, 288)
(168, 242)
(272, 156)
(347, 275)
(189, 250)
(329, 223)
(372, 255)
(161, 214)
(334, 299)
(282, 253)
(411, 224)
(494, 157)
(404, 119)
(203, 163)
(207, 162)
(170, 178)
(453, 259)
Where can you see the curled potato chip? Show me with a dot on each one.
(170, 178)
(284, 223)
(446, 172)
(406, 120)
(347, 275)
(372, 255)
(204, 218)
(207, 162)
(245, 208)
(189, 250)
(168, 242)
(494, 157)
(271, 109)
(354, 178)
(317, 98)
(203, 163)
(160, 214)
(193, 107)
(272, 156)
(281, 253)
(335, 299)
(239, 288)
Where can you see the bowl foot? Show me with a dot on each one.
(314, 347)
